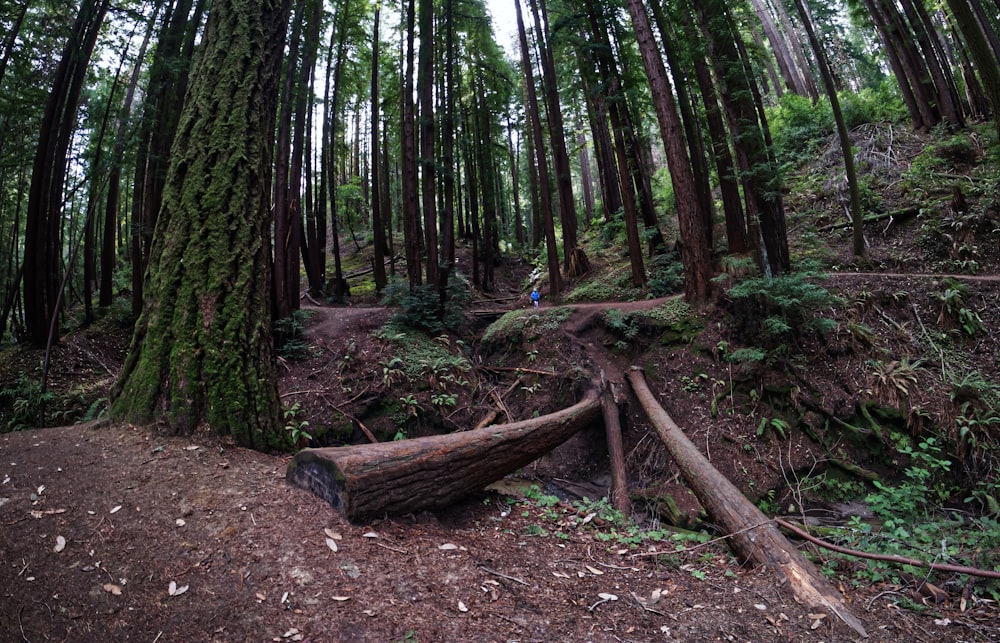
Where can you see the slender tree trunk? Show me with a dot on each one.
(779, 48)
(425, 97)
(557, 133)
(757, 172)
(447, 257)
(986, 60)
(202, 347)
(109, 243)
(10, 41)
(545, 197)
(857, 215)
(411, 197)
(42, 234)
(285, 301)
(736, 225)
(696, 252)
(586, 178)
(378, 226)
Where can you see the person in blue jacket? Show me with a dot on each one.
(535, 297)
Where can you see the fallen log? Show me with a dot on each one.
(409, 476)
(753, 534)
(616, 450)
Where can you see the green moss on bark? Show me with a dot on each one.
(202, 348)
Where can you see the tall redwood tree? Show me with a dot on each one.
(202, 347)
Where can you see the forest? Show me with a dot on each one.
(233, 230)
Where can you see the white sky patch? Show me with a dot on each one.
(505, 24)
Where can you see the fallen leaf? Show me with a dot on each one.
(332, 534)
(588, 518)
(181, 590)
(180, 522)
(560, 574)
(172, 588)
(332, 544)
(116, 509)
(41, 488)
(290, 633)
(607, 597)
(368, 612)
(594, 570)
(261, 597)
(193, 447)
(462, 607)
(60, 544)
(370, 534)
(341, 598)
(447, 547)
(113, 589)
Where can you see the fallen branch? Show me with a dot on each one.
(502, 369)
(888, 558)
(754, 536)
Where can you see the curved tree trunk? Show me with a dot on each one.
(43, 221)
(202, 348)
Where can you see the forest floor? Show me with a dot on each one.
(116, 532)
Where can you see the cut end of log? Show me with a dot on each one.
(317, 475)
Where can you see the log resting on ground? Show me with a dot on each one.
(753, 534)
(408, 476)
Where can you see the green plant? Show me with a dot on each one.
(772, 312)
(421, 307)
(288, 334)
(392, 371)
(26, 400)
(295, 426)
(893, 381)
(954, 312)
(779, 426)
(411, 405)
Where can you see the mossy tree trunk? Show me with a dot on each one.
(202, 348)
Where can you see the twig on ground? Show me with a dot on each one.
(889, 558)
(496, 573)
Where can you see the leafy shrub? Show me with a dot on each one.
(798, 126)
(882, 104)
(421, 308)
(25, 400)
(771, 312)
(666, 275)
(954, 312)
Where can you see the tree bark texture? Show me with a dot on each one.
(696, 253)
(43, 221)
(753, 535)
(616, 449)
(409, 476)
(542, 168)
(202, 347)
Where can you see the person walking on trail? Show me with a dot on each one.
(535, 297)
